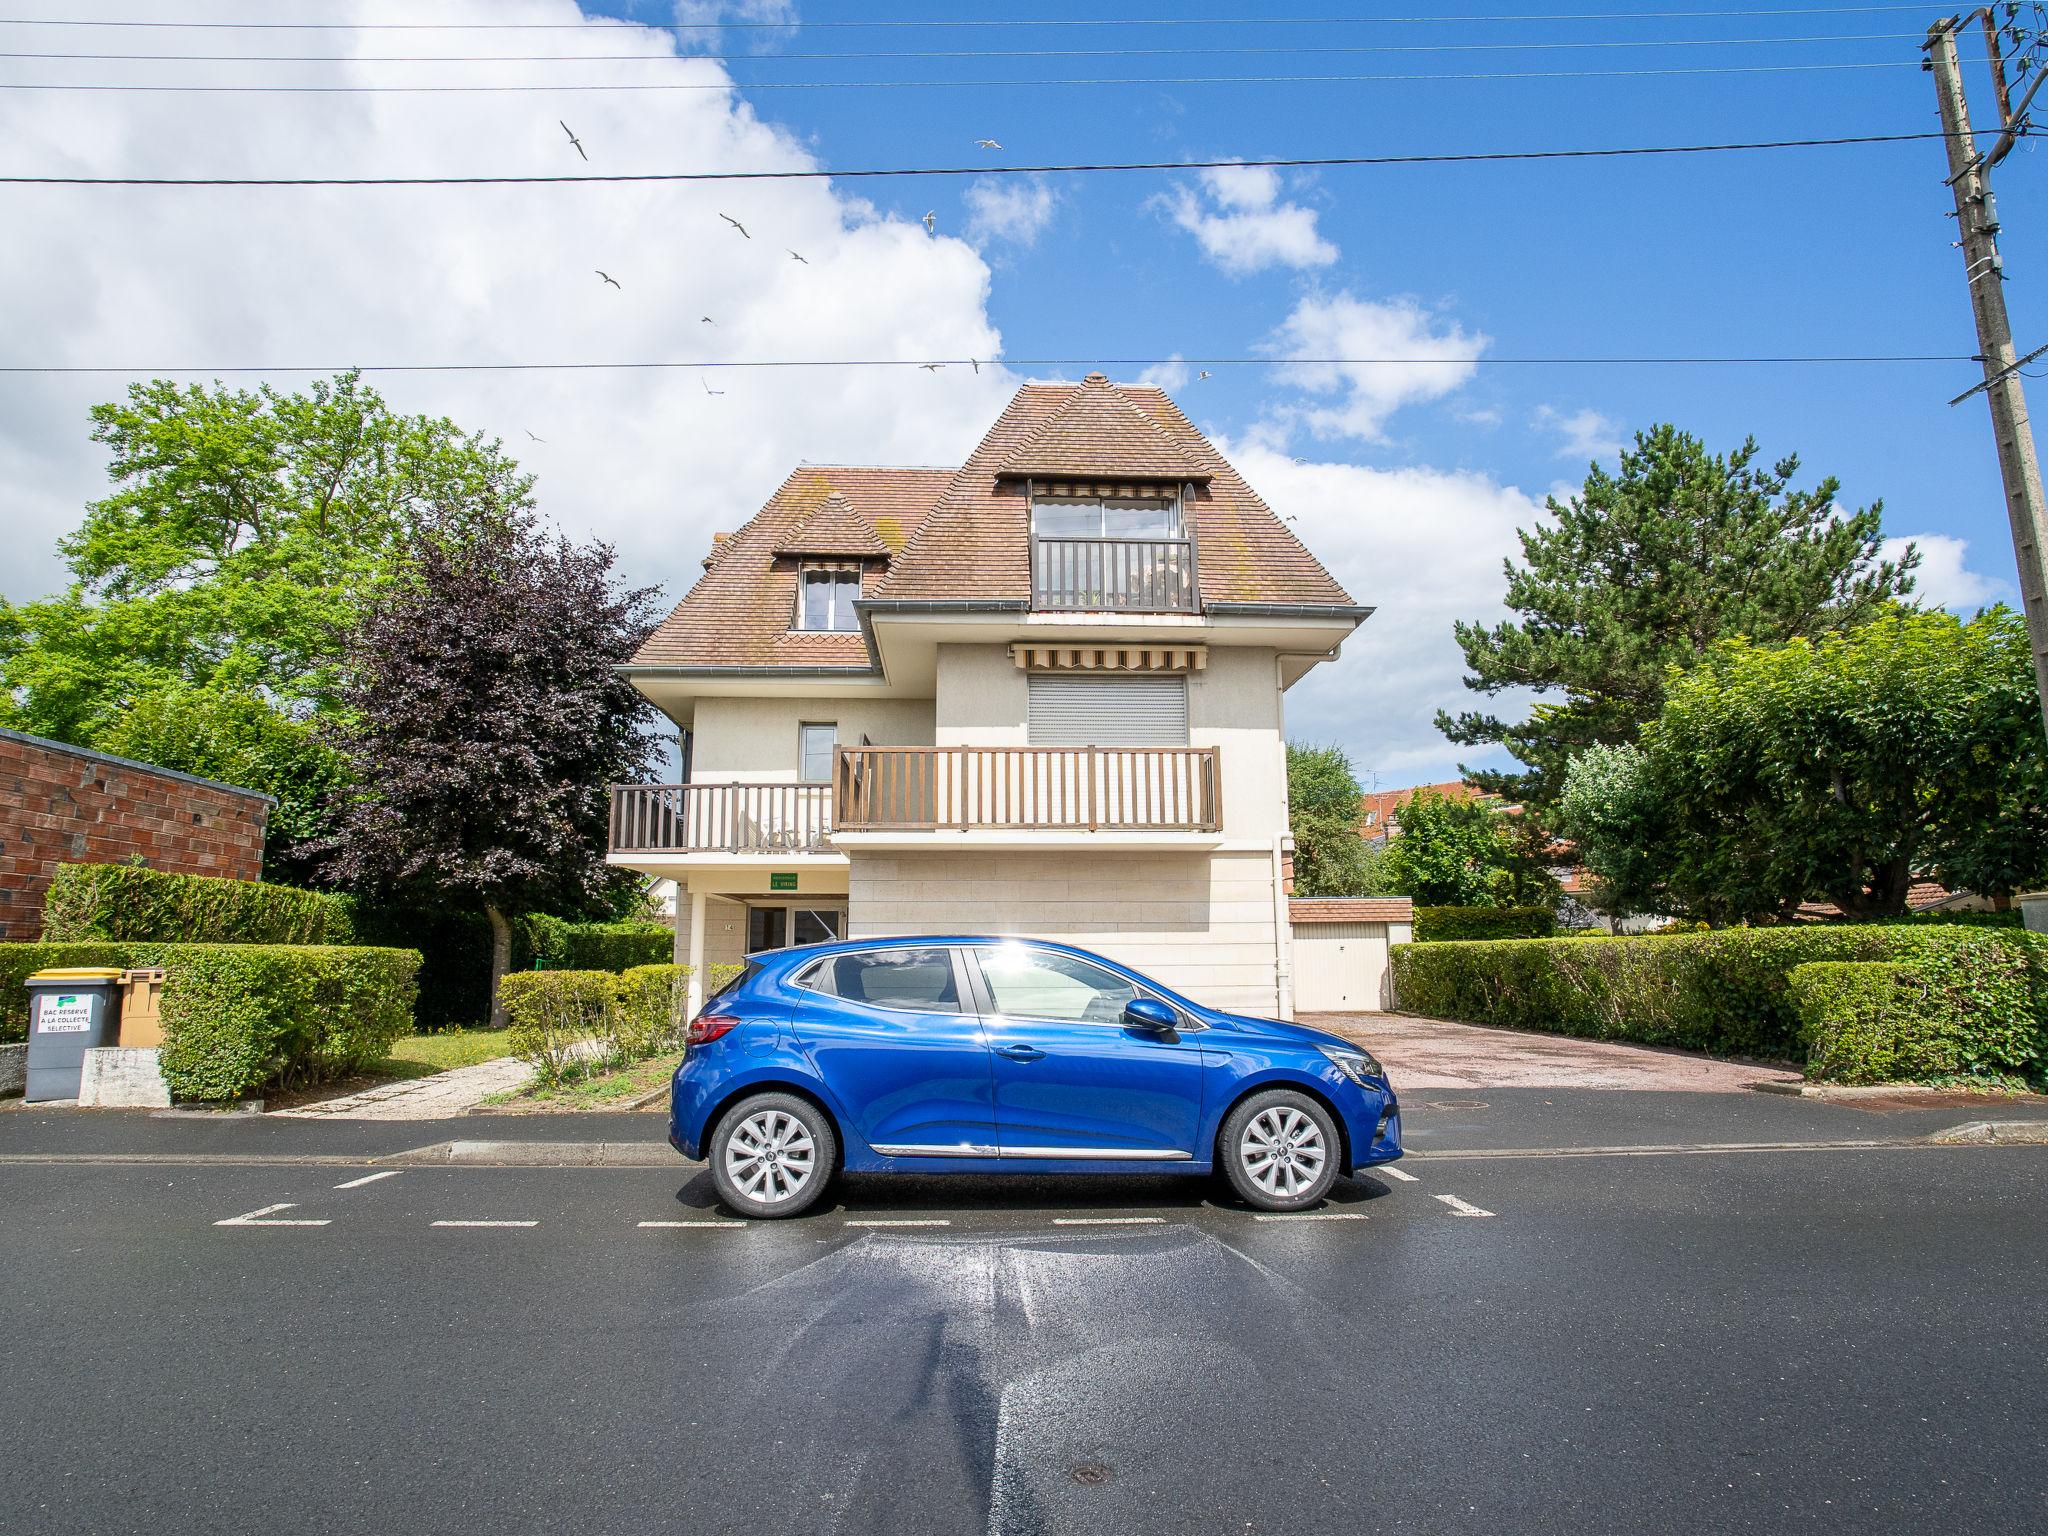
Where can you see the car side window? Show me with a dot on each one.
(1043, 984)
(919, 980)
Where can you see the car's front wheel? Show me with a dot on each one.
(772, 1155)
(1280, 1150)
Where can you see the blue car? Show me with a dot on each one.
(986, 1055)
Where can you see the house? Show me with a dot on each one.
(1037, 694)
(1379, 811)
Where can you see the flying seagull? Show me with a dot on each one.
(530, 434)
(1204, 374)
(935, 367)
(930, 220)
(707, 320)
(706, 382)
(977, 363)
(573, 139)
(794, 257)
(986, 144)
(608, 278)
(736, 224)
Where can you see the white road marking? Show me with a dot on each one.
(1308, 1216)
(1108, 1221)
(1463, 1208)
(369, 1178)
(486, 1223)
(1395, 1173)
(258, 1218)
(717, 1226)
(897, 1222)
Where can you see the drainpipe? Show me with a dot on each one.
(1283, 934)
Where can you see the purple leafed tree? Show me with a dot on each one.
(485, 722)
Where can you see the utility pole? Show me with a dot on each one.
(1977, 218)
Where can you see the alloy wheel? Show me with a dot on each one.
(771, 1157)
(1283, 1151)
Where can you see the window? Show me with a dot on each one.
(782, 927)
(1106, 517)
(815, 925)
(767, 928)
(917, 980)
(825, 595)
(816, 742)
(1107, 711)
(1041, 984)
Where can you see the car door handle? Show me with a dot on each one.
(1020, 1052)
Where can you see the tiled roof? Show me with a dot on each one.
(738, 613)
(977, 541)
(1349, 909)
(1099, 434)
(834, 528)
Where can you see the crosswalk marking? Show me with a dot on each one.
(1462, 1207)
(266, 1217)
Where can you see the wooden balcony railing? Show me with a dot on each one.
(1127, 575)
(721, 818)
(1156, 789)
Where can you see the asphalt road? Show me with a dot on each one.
(1829, 1338)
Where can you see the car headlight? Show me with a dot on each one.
(1355, 1062)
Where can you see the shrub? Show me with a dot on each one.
(1446, 924)
(552, 944)
(455, 958)
(134, 902)
(1722, 991)
(1884, 1021)
(566, 1022)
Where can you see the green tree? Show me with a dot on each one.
(1464, 853)
(1324, 804)
(1643, 571)
(213, 590)
(1838, 769)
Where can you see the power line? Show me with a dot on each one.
(1321, 162)
(954, 22)
(962, 53)
(1835, 359)
(903, 85)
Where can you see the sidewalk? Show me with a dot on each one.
(453, 1092)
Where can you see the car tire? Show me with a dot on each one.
(1280, 1150)
(772, 1155)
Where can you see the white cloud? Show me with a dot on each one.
(1244, 227)
(1424, 547)
(1171, 374)
(1582, 435)
(645, 459)
(1374, 334)
(1944, 579)
(1016, 209)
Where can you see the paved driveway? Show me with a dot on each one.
(1434, 1053)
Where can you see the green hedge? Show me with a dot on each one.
(550, 943)
(1885, 1021)
(239, 1017)
(1726, 991)
(567, 1023)
(1436, 925)
(132, 901)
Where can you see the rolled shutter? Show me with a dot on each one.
(1108, 711)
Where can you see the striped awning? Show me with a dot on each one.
(1110, 658)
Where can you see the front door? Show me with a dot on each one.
(909, 1061)
(1072, 1080)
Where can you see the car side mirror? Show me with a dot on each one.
(1148, 1013)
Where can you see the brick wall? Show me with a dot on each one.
(64, 805)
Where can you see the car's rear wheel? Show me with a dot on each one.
(773, 1155)
(1280, 1150)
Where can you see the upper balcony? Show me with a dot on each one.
(1114, 575)
(923, 796)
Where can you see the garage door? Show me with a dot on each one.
(1340, 967)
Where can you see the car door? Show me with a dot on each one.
(906, 1057)
(1072, 1080)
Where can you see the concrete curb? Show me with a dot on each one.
(538, 1154)
(1849, 1093)
(2001, 1133)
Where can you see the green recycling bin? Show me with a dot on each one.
(69, 1013)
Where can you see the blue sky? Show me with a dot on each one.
(1411, 483)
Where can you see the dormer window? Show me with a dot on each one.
(1155, 515)
(825, 597)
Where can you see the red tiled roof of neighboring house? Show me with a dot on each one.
(1377, 807)
(977, 541)
(1921, 896)
(834, 528)
(738, 613)
(1351, 909)
(966, 533)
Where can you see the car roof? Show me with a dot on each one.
(782, 957)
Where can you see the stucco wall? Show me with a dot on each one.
(756, 739)
(1201, 923)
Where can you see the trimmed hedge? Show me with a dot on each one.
(132, 901)
(1727, 991)
(238, 1017)
(1879, 1021)
(569, 1022)
(550, 943)
(1438, 925)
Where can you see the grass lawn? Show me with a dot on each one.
(603, 1091)
(424, 1055)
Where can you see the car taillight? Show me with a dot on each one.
(708, 1026)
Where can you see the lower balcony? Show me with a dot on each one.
(757, 819)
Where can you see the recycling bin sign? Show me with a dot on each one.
(69, 1013)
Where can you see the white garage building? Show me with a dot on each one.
(1340, 951)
